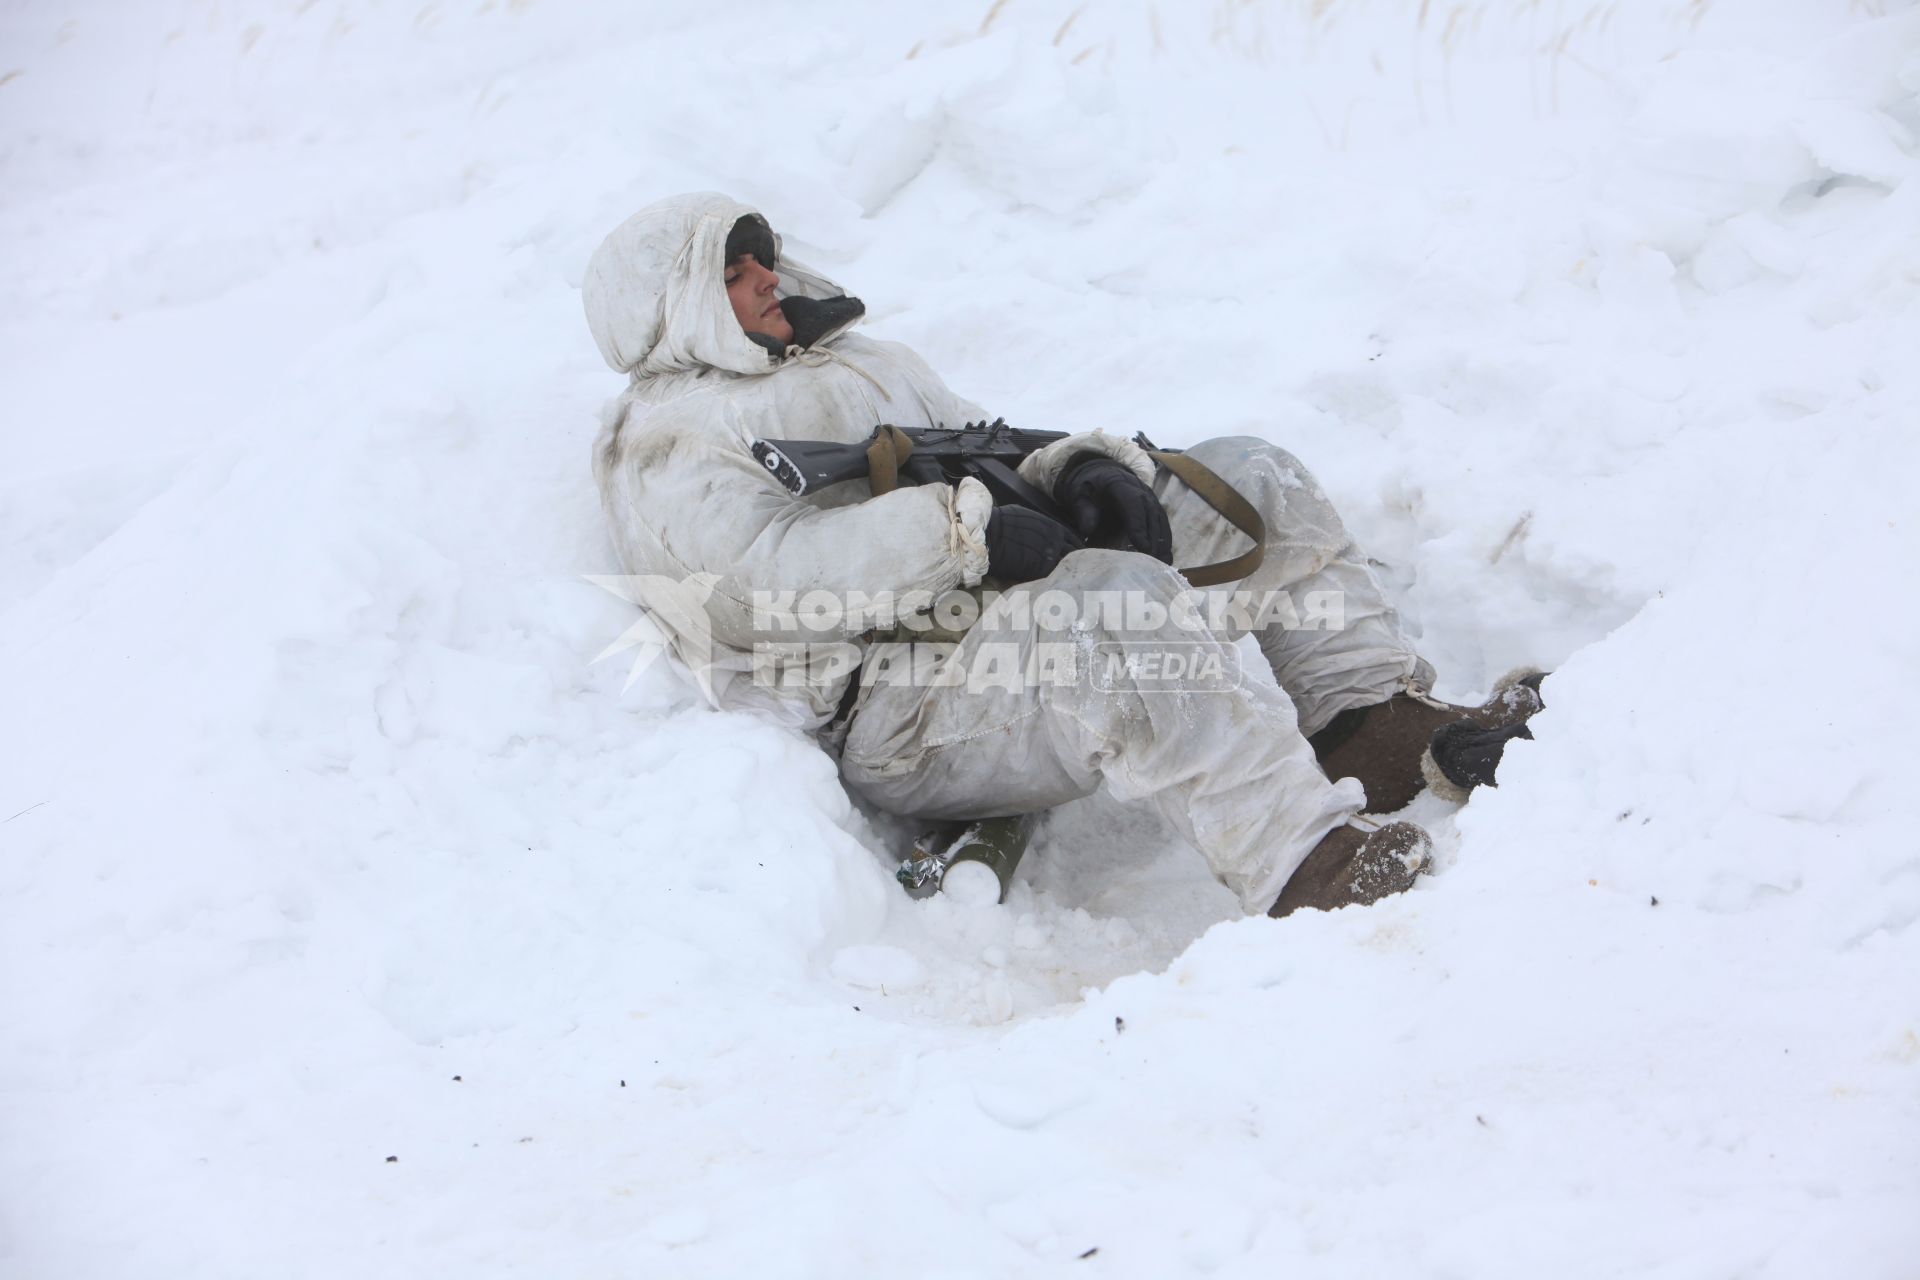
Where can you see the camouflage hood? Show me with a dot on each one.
(656, 297)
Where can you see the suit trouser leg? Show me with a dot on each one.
(1338, 643)
(1044, 713)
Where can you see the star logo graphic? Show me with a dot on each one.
(672, 622)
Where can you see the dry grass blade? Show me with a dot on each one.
(1067, 26)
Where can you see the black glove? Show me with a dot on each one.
(1112, 508)
(1023, 545)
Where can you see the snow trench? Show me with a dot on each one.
(353, 920)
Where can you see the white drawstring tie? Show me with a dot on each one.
(816, 356)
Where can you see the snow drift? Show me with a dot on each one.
(354, 921)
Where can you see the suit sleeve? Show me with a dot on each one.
(690, 499)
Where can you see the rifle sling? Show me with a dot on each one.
(1227, 500)
(892, 447)
(889, 451)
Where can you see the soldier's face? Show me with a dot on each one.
(750, 288)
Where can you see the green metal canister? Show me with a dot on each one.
(972, 861)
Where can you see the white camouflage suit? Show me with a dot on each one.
(687, 501)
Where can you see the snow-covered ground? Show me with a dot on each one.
(353, 922)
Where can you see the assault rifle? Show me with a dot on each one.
(990, 452)
(987, 451)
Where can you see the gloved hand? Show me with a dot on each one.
(1023, 545)
(1110, 507)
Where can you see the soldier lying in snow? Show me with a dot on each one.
(727, 343)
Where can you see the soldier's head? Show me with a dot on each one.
(752, 280)
(698, 282)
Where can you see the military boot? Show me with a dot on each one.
(1353, 866)
(1386, 745)
(1463, 756)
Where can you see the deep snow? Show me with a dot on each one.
(354, 922)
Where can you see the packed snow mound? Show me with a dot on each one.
(354, 920)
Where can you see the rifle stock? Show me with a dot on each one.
(806, 466)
